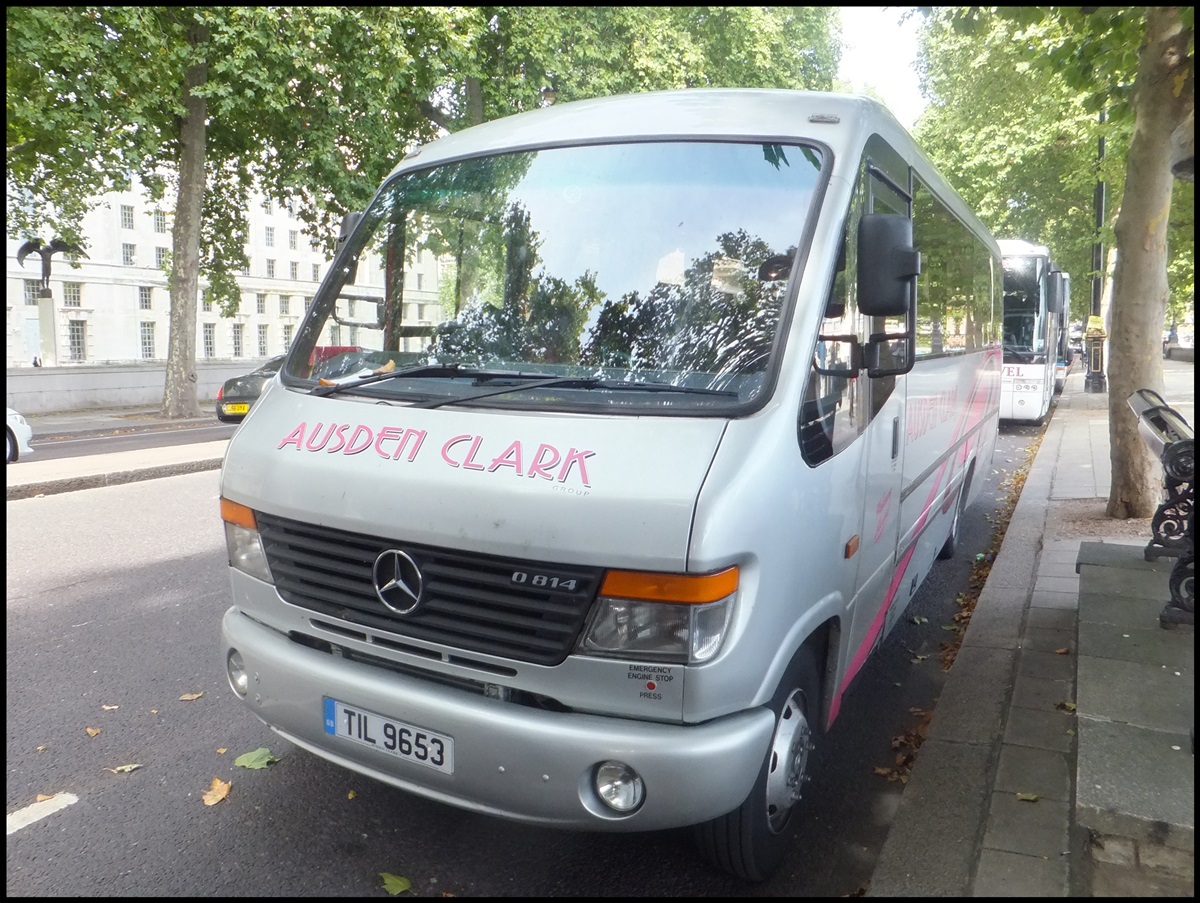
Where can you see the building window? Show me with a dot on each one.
(260, 303)
(246, 268)
(262, 340)
(307, 302)
(293, 239)
(420, 281)
(161, 257)
(268, 206)
(145, 297)
(72, 294)
(270, 269)
(126, 216)
(353, 335)
(77, 339)
(147, 341)
(335, 334)
(210, 339)
(33, 288)
(207, 304)
(237, 333)
(129, 255)
(351, 307)
(160, 222)
(270, 236)
(295, 269)
(287, 336)
(283, 305)
(316, 272)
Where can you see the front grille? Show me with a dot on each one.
(468, 601)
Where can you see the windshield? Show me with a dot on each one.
(1024, 311)
(655, 264)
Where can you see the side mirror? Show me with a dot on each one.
(1054, 301)
(887, 265)
(349, 221)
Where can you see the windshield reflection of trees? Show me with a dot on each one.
(713, 326)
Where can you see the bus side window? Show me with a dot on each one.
(829, 414)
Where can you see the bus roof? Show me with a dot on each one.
(842, 122)
(1019, 247)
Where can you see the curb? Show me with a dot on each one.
(116, 478)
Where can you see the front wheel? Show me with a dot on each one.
(751, 841)
(11, 450)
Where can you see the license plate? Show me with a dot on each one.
(237, 409)
(404, 741)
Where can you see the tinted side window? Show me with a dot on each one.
(954, 290)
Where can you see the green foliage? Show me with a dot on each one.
(1014, 122)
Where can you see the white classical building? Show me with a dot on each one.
(112, 307)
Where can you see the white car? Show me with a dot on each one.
(17, 433)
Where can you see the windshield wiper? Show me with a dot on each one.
(425, 371)
(574, 382)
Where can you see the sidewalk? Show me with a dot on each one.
(1059, 760)
(1013, 793)
(31, 477)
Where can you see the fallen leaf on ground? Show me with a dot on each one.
(352, 794)
(109, 708)
(221, 750)
(217, 792)
(1063, 651)
(918, 619)
(188, 697)
(42, 797)
(1027, 797)
(124, 769)
(1065, 706)
(92, 731)
(259, 758)
(394, 884)
(42, 748)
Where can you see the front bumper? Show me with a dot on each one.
(513, 761)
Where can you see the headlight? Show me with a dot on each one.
(243, 542)
(661, 617)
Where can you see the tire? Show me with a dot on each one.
(10, 452)
(751, 841)
(950, 547)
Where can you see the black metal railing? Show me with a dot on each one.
(1169, 436)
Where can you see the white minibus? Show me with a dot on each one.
(656, 412)
(1033, 327)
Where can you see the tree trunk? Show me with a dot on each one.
(1162, 96)
(179, 392)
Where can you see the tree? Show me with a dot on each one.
(313, 105)
(1136, 65)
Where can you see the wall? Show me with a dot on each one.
(43, 390)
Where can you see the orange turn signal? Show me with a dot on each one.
(695, 590)
(238, 514)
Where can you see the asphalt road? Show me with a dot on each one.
(50, 447)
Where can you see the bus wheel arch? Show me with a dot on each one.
(951, 545)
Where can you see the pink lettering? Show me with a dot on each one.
(388, 432)
(309, 444)
(418, 436)
(295, 437)
(362, 432)
(469, 461)
(341, 438)
(450, 443)
(574, 456)
(538, 467)
(510, 457)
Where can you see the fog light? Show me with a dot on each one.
(238, 678)
(619, 787)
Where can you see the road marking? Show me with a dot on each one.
(24, 817)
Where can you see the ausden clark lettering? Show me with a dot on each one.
(467, 451)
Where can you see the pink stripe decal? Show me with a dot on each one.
(971, 415)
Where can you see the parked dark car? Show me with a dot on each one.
(235, 398)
